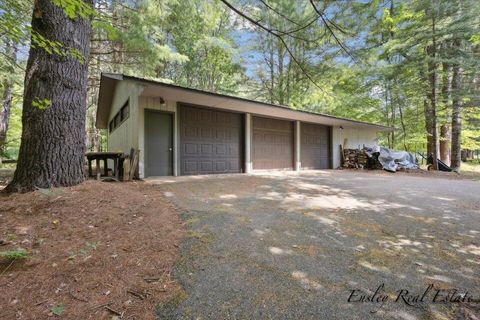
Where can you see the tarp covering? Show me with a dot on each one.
(393, 160)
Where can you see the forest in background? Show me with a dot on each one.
(410, 64)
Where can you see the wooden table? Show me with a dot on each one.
(116, 157)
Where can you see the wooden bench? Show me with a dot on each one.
(116, 157)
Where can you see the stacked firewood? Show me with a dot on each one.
(362, 158)
(350, 158)
(359, 159)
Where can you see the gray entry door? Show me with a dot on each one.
(158, 143)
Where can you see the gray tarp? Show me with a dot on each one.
(392, 160)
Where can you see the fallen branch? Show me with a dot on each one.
(77, 298)
(136, 294)
(41, 302)
(101, 305)
(149, 280)
(4, 270)
(114, 311)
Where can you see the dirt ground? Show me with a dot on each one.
(96, 251)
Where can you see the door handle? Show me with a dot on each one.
(170, 149)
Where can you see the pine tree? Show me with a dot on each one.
(53, 118)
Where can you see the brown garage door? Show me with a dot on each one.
(315, 146)
(210, 141)
(272, 144)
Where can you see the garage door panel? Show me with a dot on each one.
(272, 143)
(190, 167)
(221, 166)
(221, 150)
(211, 141)
(190, 149)
(206, 133)
(190, 132)
(207, 150)
(315, 146)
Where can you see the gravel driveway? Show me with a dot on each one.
(297, 245)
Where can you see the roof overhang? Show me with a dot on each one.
(108, 82)
(171, 92)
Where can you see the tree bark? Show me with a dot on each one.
(94, 133)
(53, 138)
(11, 52)
(456, 154)
(431, 127)
(445, 132)
(445, 138)
(432, 107)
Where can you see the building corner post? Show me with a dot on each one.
(248, 143)
(297, 146)
(176, 139)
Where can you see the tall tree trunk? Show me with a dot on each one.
(456, 152)
(281, 76)
(387, 116)
(432, 107)
(271, 69)
(94, 133)
(94, 70)
(431, 127)
(11, 52)
(394, 117)
(445, 138)
(404, 127)
(456, 155)
(53, 138)
(445, 132)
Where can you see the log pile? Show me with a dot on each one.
(362, 159)
(359, 159)
(350, 158)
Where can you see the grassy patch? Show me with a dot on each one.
(204, 237)
(166, 310)
(15, 254)
(191, 221)
(471, 169)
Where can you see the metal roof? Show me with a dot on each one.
(210, 99)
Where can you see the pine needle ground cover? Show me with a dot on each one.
(94, 251)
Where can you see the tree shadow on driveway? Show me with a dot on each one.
(295, 246)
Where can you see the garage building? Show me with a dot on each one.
(182, 131)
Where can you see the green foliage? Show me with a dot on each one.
(41, 104)
(475, 38)
(201, 32)
(14, 19)
(55, 47)
(15, 25)
(75, 8)
(15, 254)
(399, 62)
(58, 309)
